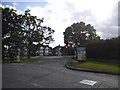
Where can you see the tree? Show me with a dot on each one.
(80, 33)
(21, 31)
(11, 32)
(34, 32)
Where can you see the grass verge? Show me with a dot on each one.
(98, 66)
(23, 60)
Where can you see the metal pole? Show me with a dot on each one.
(70, 55)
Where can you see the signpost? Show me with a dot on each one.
(70, 42)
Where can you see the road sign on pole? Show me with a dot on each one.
(70, 42)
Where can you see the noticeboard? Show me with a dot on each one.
(81, 53)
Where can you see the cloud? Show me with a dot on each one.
(12, 7)
(102, 14)
(109, 26)
(15, 4)
(2, 6)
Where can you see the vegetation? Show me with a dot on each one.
(96, 48)
(20, 32)
(103, 49)
(98, 66)
(80, 33)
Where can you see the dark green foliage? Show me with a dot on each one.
(87, 37)
(103, 49)
(80, 33)
(11, 32)
(21, 31)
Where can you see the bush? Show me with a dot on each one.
(103, 49)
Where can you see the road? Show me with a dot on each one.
(51, 73)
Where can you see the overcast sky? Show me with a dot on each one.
(59, 14)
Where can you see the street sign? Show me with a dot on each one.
(70, 42)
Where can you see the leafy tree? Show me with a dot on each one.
(21, 31)
(11, 31)
(80, 33)
(34, 32)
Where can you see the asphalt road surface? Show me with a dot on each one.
(51, 73)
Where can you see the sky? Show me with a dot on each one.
(59, 14)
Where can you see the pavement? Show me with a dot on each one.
(51, 73)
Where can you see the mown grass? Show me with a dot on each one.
(98, 66)
(22, 60)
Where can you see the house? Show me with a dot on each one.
(57, 50)
(45, 51)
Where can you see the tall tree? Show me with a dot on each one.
(11, 31)
(34, 32)
(80, 33)
(21, 31)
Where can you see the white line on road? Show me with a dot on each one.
(88, 82)
(34, 84)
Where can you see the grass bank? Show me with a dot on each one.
(23, 60)
(98, 66)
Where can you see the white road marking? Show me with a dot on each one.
(34, 84)
(88, 82)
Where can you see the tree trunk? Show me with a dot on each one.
(28, 53)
